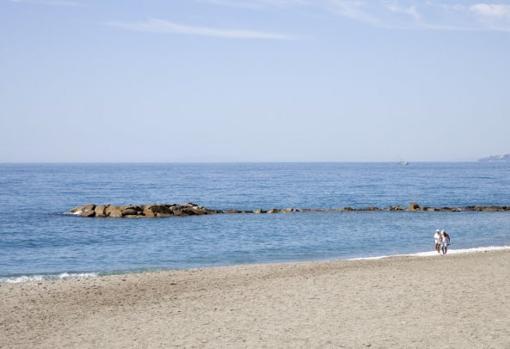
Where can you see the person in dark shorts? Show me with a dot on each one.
(445, 242)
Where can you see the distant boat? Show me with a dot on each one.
(404, 163)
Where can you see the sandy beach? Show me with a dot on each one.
(457, 301)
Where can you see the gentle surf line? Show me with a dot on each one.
(62, 276)
(434, 253)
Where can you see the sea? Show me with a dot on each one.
(39, 240)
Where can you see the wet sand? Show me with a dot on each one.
(456, 301)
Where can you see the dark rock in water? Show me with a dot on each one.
(259, 211)
(413, 206)
(180, 212)
(209, 211)
(232, 211)
(159, 210)
(396, 208)
(492, 209)
(292, 210)
(196, 210)
(131, 211)
(183, 210)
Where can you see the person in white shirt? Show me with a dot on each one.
(437, 240)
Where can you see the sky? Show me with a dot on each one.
(253, 80)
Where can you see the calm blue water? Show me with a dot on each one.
(36, 238)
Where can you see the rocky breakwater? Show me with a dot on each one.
(162, 210)
(191, 209)
(414, 207)
(135, 211)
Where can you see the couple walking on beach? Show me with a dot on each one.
(442, 240)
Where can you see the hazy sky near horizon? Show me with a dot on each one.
(253, 80)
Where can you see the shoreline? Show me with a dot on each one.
(381, 303)
(97, 274)
(390, 302)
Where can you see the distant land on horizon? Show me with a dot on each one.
(504, 157)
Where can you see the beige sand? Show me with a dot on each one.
(460, 301)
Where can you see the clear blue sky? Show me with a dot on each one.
(253, 80)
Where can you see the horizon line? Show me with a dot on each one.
(236, 162)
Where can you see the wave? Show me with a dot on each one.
(62, 276)
(434, 253)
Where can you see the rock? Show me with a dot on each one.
(100, 210)
(148, 212)
(259, 211)
(189, 211)
(191, 204)
(131, 210)
(163, 210)
(163, 215)
(196, 210)
(292, 210)
(273, 211)
(113, 211)
(413, 206)
(85, 210)
(396, 208)
(491, 209)
(232, 211)
(179, 211)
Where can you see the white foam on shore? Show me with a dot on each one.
(25, 278)
(434, 253)
(69, 213)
